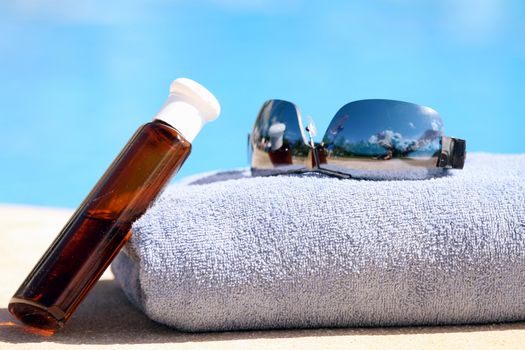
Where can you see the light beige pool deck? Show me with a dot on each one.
(107, 320)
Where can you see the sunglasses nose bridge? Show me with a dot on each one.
(313, 159)
(311, 130)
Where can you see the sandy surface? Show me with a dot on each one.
(106, 319)
(263, 161)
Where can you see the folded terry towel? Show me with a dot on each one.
(235, 252)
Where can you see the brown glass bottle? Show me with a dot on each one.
(101, 225)
(281, 156)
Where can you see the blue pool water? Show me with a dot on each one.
(77, 78)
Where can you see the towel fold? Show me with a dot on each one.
(234, 252)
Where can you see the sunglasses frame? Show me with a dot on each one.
(451, 156)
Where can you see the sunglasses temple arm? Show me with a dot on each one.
(453, 153)
(249, 150)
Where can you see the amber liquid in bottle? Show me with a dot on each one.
(281, 156)
(101, 225)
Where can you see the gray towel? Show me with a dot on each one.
(235, 252)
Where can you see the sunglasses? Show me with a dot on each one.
(369, 139)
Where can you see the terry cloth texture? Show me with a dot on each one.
(311, 251)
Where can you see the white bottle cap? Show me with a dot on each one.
(189, 106)
(276, 133)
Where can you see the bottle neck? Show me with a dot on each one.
(180, 114)
(276, 142)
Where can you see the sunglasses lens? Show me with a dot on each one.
(383, 139)
(277, 142)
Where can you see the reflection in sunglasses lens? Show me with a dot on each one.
(278, 141)
(383, 139)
